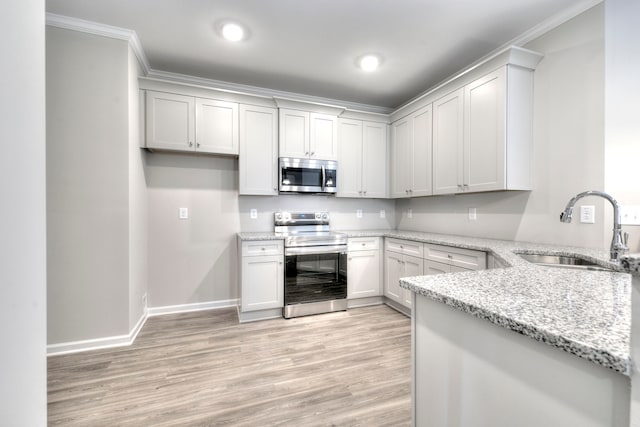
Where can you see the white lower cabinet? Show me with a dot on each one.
(400, 262)
(364, 268)
(405, 258)
(262, 275)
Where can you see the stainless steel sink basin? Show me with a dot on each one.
(563, 261)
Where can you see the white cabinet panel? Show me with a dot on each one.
(363, 243)
(294, 133)
(216, 126)
(413, 266)
(448, 139)
(466, 258)
(323, 138)
(484, 133)
(411, 154)
(393, 272)
(363, 274)
(350, 158)
(406, 247)
(262, 275)
(262, 282)
(170, 121)
(362, 159)
(258, 159)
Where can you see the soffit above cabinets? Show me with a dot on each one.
(312, 48)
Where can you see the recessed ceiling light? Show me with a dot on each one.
(232, 32)
(369, 62)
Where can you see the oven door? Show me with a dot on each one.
(314, 274)
(307, 176)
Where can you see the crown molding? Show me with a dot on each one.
(265, 92)
(98, 29)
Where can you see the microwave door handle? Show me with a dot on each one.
(324, 178)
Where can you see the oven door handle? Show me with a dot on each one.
(312, 250)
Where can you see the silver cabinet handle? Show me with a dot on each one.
(198, 144)
(312, 153)
(190, 144)
(365, 192)
(306, 153)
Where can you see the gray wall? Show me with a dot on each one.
(87, 186)
(138, 213)
(195, 260)
(567, 155)
(23, 389)
(622, 115)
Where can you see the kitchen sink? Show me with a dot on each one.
(563, 261)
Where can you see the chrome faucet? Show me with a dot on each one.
(618, 246)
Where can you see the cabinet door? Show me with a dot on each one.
(216, 126)
(363, 274)
(374, 160)
(448, 136)
(484, 133)
(413, 266)
(392, 272)
(434, 267)
(350, 158)
(401, 157)
(258, 160)
(422, 152)
(323, 137)
(294, 133)
(262, 282)
(170, 121)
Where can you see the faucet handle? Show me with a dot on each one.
(625, 239)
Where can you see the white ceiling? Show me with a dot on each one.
(310, 46)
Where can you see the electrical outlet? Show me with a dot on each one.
(588, 214)
(184, 213)
(358, 213)
(254, 213)
(383, 214)
(410, 213)
(473, 214)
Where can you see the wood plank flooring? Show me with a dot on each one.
(205, 369)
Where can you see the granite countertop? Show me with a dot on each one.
(586, 313)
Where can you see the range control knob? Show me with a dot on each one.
(318, 215)
(325, 216)
(278, 216)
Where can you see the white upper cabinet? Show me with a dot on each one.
(482, 134)
(308, 135)
(362, 159)
(448, 134)
(294, 133)
(170, 121)
(216, 126)
(411, 146)
(186, 123)
(323, 139)
(258, 160)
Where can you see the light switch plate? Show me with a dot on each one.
(410, 213)
(630, 215)
(184, 213)
(383, 214)
(253, 213)
(358, 213)
(588, 214)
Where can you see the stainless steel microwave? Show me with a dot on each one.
(307, 176)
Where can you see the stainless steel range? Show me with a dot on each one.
(315, 264)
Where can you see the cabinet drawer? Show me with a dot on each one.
(363, 244)
(405, 247)
(465, 258)
(262, 247)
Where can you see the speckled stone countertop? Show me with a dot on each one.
(586, 313)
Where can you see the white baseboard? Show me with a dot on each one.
(185, 308)
(128, 339)
(97, 343)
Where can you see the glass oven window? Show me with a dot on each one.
(315, 277)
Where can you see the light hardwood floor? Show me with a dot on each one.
(205, 369)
